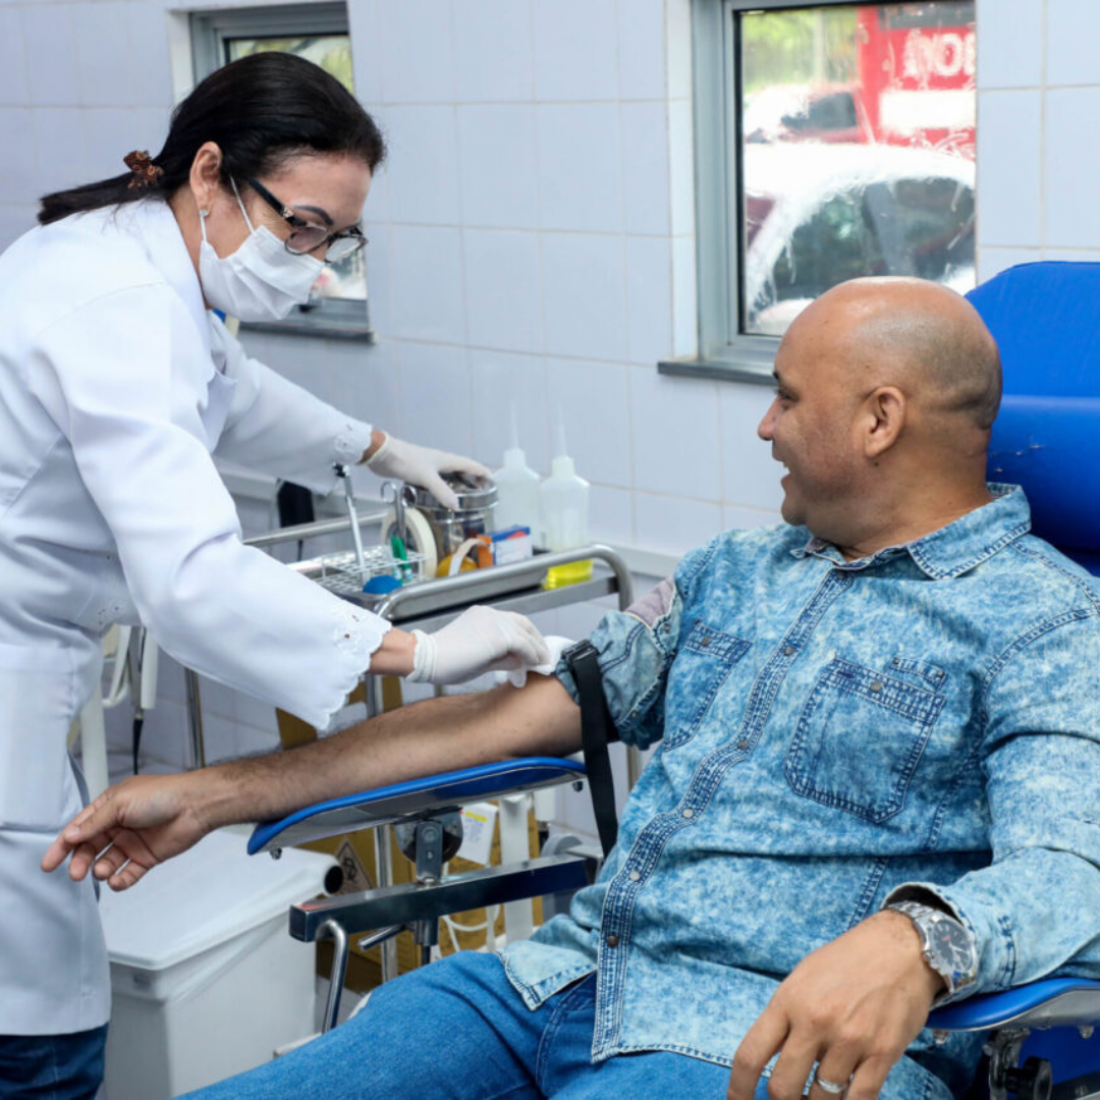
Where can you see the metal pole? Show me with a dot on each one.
(519, 918)
(313, 530)
(353, 516)
(194, 719)
(380, 837)
(383, 862)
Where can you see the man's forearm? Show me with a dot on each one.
(434, 736)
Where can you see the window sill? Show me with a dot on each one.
(719, 370)
(321, 328)
(748, 359)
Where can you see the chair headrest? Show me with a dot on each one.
(1045, 318)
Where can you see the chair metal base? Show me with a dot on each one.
(1036, 1048)
(486, 886)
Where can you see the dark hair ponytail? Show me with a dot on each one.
(260, 110)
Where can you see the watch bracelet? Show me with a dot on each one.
(922, 915)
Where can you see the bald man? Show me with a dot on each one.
(873, 786)
(886, 394)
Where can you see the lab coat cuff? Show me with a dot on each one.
(358, 636)
(351, 442)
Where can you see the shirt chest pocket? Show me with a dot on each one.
(703, 663)
(859, 740)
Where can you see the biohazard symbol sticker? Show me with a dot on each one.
(356, 878)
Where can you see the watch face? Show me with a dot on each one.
(950, 943)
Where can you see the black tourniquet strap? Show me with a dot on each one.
(597, 729)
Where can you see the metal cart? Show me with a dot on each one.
(430, 604)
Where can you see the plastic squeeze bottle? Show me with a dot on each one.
(565, 515)
(517, 489)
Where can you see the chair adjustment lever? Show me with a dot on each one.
(332, 929)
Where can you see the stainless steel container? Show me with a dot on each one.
(477, 501)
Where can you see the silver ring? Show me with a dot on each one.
(831, 1087)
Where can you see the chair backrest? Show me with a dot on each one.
(1045, 318)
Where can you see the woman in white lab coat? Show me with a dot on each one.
(117, 385)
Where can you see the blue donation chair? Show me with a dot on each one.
(1046, 319)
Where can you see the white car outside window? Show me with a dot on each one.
(818, 214)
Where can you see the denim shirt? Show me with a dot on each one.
(831, 736)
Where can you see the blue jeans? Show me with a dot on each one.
(52, 1067)
(458, 1030)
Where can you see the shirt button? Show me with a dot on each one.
(743, 745)
(612, 940)
(876, 686)
(634, 876)
(705, 641)
(689, 812)
(788, 651)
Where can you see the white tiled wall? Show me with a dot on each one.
(1038, 100)
(532, 235)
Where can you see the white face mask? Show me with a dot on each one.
(261, 281)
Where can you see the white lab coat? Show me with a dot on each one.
(116, 385)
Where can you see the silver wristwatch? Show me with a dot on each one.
(948, 946)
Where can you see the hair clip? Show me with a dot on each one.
(146, 173)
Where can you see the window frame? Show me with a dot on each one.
(723, 351)
(210, 31)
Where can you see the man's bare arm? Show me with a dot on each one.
(148, 819)
(437, 735)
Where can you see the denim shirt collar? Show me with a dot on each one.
(954, 549)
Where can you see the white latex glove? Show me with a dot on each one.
(422, 466)
(479, 640)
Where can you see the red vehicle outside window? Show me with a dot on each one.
(916, 73)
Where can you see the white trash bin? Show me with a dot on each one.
(205, 979)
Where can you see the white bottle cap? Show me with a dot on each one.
(563, 466)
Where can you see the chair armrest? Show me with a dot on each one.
(1053, 1002)
(415, 798)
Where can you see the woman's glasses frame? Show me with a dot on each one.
(305, 236)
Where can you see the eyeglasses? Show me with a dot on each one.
(307, 237)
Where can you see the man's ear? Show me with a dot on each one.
(885, 413)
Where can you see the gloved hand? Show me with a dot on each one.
(422, 466)
(479, 640)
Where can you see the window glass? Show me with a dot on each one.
(857, 129)
(838, 242)
(331, 51)
(346, 280)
